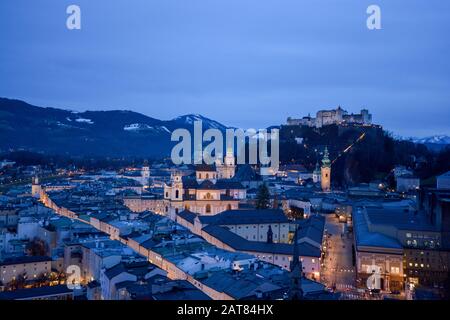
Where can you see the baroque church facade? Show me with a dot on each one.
(209, 191)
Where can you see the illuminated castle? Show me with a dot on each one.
(334, 116)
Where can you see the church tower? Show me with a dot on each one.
(227, 170)
(325, 170)
(35, 187)
(173, 195)
(316, 173)
(145, 174)
(296, 275)
(177, 187)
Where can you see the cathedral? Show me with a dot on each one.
(227, 169)
(209, 191)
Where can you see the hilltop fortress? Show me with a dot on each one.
(334, 116)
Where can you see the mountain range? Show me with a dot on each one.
(90, 133)
(117, 133)
(437, 139)
(435, 143)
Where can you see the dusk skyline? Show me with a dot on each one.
(244, 64)
(245, 151)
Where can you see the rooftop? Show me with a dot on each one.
(252, 216)
(35, 292)
(364, 237)
(240, 244)
(24, 260)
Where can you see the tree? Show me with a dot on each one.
(262, 197)
(36, 248)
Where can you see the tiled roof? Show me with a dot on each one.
(205, 167)
(24, 260)
(187, 215)
(240, 244)
(35, 292)
(233, 217)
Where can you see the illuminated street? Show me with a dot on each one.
(338, 271)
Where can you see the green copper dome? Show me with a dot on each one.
(326, 160)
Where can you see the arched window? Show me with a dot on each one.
(228, 206)
(208, 208)
(207, 176)
(208, 196)
(177, 193)
(199, 175)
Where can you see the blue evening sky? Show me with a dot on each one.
(246, 63)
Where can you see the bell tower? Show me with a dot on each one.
(35, 187)
(325, 171)
(177, 187)
(316, 173)
(145, 174)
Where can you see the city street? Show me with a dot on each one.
(338, 272)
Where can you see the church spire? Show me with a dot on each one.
(317, 169)
(296, 291)
(270, 235)
(326, 160)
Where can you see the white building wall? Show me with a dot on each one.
(443, 181)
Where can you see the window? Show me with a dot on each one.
(395, 270)
(207, 176)
(177, 194)
(208, 208)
